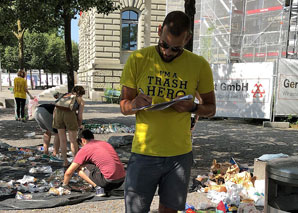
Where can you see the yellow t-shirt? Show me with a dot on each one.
(20, 86)
(165, 132)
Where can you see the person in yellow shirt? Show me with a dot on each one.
(162, 149)
(20, 89)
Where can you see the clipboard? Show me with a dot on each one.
(163, 105)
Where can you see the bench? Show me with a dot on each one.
(111, 96)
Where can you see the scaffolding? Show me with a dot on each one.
(229, 31)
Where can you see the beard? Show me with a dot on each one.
(168, 58)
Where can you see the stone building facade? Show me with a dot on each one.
(106, 41)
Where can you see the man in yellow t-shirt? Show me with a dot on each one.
(162, 150)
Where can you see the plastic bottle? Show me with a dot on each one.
(30, 134)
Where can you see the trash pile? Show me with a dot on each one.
(25, 171)
(230, 187)
(109, 128)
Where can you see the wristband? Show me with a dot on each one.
(194, 108)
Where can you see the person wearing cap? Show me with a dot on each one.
(98, 163)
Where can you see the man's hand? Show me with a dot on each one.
(69, 172)
(183, 106)
(130, 99)
(141, 100)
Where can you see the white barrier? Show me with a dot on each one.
(243, 90)
(36, 79)
(287, 88)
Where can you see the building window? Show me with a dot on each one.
(129, 30)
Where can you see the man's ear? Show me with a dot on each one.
(189, 36)
(83, 141)
(159, 30)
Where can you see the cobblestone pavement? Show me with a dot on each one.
(242, 139)
(213, 139)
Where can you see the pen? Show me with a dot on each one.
(140, 89)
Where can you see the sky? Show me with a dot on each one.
(75, 29)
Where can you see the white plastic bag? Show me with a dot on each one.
(33, 103)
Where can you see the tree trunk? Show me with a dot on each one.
(68, 49)
(47, 80)
(52, 79)
(190, 10)
(61, 80)
(31, 78)
(39, 72)
(20, 37)
(9, 79)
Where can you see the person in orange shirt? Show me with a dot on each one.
(20, 89)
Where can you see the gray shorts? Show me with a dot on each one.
(94, 173)
(145, 173)
(44, 119)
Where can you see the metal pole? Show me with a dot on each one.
(0, 75)
(243, 30)
(231, 33)
(289, 29)
(276, 71)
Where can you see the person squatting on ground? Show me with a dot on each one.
(70, 120)
(162, 149)
(20, 89)
(97, 163)
(44, 118)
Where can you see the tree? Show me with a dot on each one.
(9, 58)
(75, 50)
(35, 45)
(190, 10)
(64, 11)
(18, 16)
(55, 54)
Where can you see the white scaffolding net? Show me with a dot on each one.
(245, 30)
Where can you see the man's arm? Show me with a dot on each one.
(69, 172)
(206, 109)
(80, 113)
(130, 100)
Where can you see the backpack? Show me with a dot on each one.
(67, 101)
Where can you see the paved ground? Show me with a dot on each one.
(213, 139)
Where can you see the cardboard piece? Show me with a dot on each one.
(260, 169)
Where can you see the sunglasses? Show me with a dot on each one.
(164, 45)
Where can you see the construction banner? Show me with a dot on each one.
(243, 90)
(287, 88)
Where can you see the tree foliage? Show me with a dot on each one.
(42, 51)
(64, 11)
(19, 16)
(35, 46)
(9, 58)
